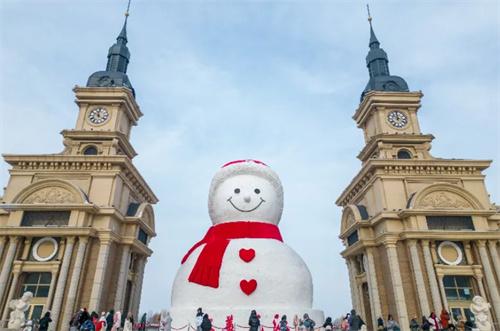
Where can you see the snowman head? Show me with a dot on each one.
(245, 190)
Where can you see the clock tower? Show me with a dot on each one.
(420, 232)
(75, 226)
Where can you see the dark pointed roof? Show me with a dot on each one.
(378, 68)
(373, 38)
(116, 68)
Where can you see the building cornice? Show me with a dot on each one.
(70, 163)
(446, 212)
(392, 139)
(401, 167)
(391, 238)
(123, 142)
(55, 231)
(90, 208)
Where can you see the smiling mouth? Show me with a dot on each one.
(243, 210)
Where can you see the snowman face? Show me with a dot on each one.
(246, 198)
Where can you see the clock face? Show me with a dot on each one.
(98, 115)
(397, 119)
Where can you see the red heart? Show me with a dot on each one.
(247, 255)
(248, 286)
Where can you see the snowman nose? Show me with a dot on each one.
(247, 199)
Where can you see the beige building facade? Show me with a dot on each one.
(420, 232)
(75, 226)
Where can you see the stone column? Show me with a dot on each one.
(51, 289)
(373, 286)
(468, 253)
(429, 265)
(494, 256)
(122, 278)
(138, 287)
(490, 280)
(2, 245)
(397, 284)
(75, 279)
(102, 263)
(15, 279)
(352, 284)
(61, 282)
(419, 278)
(443, 292)
(361, 311)
(7, 264)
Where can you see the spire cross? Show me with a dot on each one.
(369, 15)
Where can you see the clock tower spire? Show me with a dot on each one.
(388, 112)
(118, 59)
(107, 105)
(378, 67)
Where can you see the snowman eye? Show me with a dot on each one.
(257, 191)
(236, 190)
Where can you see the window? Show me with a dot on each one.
(404, 154)
(458, 288)
(143, 236)
(132, 208)
(90, 150)
(36, 312)
(45, 218)
(37, 283)
(451, 223)
(353, 238)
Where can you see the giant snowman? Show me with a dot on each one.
(242, 262)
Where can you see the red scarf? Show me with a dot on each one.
(207, 268)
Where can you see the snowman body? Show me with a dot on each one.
(282, 278)
(257, 271)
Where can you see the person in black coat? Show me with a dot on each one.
(355, 321)
(328, 325)
(83, 316)
(44, 322)
(254, 321)
(206, 324)
(109, 320)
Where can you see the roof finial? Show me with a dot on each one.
(369, 15)
(127, 12)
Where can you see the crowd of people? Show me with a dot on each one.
(107, 321)
(204, 322)
(114, 321)
(82, 320)
(443, 322)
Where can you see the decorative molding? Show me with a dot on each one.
(454, 246)
(377, 168)
(450, 197)
(52, 195)
(120, 164)
(39, 258)
(425, 170)
(75, 166)
(444, 200)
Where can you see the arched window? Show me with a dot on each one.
(404, 154)
(90, 150)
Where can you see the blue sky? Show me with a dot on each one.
(272, 80)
